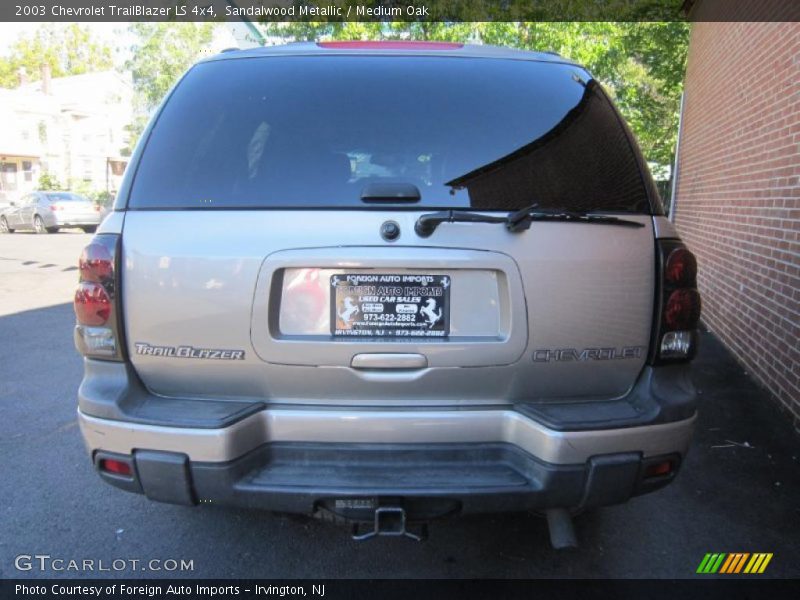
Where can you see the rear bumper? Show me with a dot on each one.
(76, 220)
(301, 459)
(323, 426)
(352, 480)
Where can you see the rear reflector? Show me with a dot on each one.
(92, 304)
(658, 469)
(109, 465)
(391, 45)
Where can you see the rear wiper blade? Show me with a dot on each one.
(522, 219)
(515, 222)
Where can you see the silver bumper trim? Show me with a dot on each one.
(393, 427)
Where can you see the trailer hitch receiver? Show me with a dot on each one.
(390, 521)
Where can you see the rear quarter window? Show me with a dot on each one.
(313, 131)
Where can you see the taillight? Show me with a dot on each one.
(681, 268)
(92, 304)
(96, 263)
(97, 333)
(678, 304)
(682, 310)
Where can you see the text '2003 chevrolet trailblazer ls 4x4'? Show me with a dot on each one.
(385, 283)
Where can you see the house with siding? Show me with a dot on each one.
(70, 127)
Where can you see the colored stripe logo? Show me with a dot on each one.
(734, 563)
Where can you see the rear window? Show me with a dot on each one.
(64, 197)
(314, 131)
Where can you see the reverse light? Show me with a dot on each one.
(677, 344)
(98, 340)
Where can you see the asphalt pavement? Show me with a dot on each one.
(738, 491)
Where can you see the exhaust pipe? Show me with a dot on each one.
(562, 531)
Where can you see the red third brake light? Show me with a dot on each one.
(391, 45)
(92, 304)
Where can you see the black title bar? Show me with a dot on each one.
(420, 589)
(394, 10)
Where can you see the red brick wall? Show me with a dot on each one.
(738, 196)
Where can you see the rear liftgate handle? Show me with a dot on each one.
(389, 360)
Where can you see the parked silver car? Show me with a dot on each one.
(47, 212)
(387, 283)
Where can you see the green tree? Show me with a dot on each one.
(641, 64)
(48, 182)
(70, 50)
(160, 55)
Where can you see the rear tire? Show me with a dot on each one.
(89, 229)
(4, 228)
(38, 225)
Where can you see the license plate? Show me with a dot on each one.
(385, 305)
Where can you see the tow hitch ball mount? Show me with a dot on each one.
(390, 521)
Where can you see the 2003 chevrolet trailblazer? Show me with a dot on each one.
(388, 282)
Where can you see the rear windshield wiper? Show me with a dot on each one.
(516, 221)
(427, 224)
(522, 219)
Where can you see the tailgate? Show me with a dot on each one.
(545, 314)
